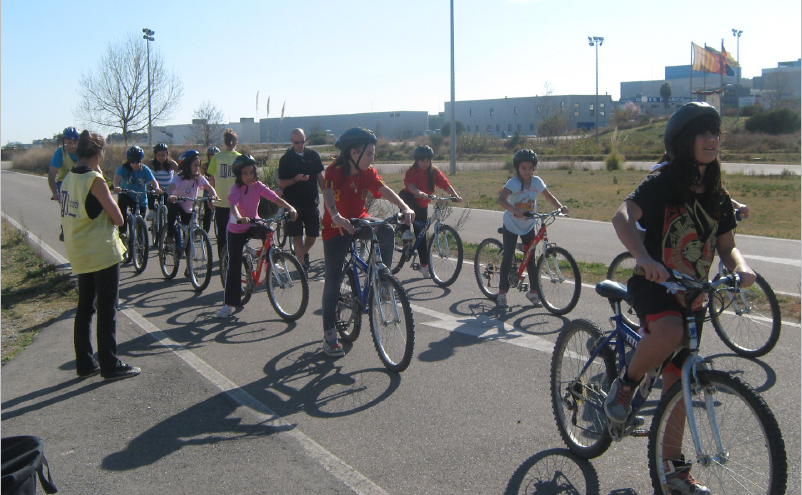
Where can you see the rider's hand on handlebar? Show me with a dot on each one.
(564, 210)
(655, 271)
(747, 276)
(409, 216)
(117, 189)
(457, 199)
(515, 212)
(56, 197)
(293, 214)
(244, 220)
(343, 223)
(172, 198)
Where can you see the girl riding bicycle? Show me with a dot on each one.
(687, 216)
(163, 168)
(187, 183)
(519, 195)
(134, 176)
(243, 199)
(348, 182)
(419, 182)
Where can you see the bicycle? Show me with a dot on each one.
(288, 289)
(559, 282)
(391, 321)
(160, 217)
(734, 436)
(190, 241)
(135, 237)
(445, 246)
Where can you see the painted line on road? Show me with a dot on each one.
(781, 261)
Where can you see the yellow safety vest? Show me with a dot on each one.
(220, 169)
(67, 164)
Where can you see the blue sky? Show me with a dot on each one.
(331, 57)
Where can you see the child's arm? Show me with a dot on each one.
(453, 192)
(154, 184)
(117, 181)
(550, 197)
(502, 201)
(288, 207)
(210, 188)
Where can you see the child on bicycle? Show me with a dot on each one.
(186, 184)
(164, 169)
(519, 195)
(244, 197)
(134, 176)
(420, 181)
(348, 182)
(687, 216)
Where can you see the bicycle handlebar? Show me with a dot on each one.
(195, 200)
(358, 222)
(556, 213)
(432, 197)
(268, 221)
(138, 193)
(679, 282)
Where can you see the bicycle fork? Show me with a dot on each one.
(384, 294)
(691, 365)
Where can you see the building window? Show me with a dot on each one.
(602, 113)
(489, 128)
(509, 127)
(491, 112)
(515, 110)
(590, 107)
(538, 109)
(395, 114)
(576, 105)
(519, 127)
(470, 112)
(532, 126)
(592, 112)
(498, 127)
(601, 105)
(576, 113)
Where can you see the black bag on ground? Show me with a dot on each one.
(23, 459)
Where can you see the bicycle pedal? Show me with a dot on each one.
(524, 287)
(639, 433)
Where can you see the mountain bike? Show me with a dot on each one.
(135, 236)
(188, 241)
(445, 246)
(160, 217)
(369, 287)
(287, 289)
(733, 438)
(559, 282)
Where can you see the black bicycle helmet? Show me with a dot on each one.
(423, 151)
(71, 133)
(355, 136)
(524, 156)
(241, 162)
(135, 154)
(212, 150)
(682, 117)
(160, 147)
(188, 155)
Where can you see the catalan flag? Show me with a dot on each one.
(705, 61)
(726, 62)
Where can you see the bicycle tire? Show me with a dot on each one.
(578, 399)
(487, 266)
(247, 282)
(394, 338)
(140, 243)
(168, 255)
(127, 255)
(223, 265)
(748, 431)
(445, 261)
(753, 329)
(619, 271)
(199, 259)
(288, 289)
(349, 312)
(402, 249)
(559, 282)
(281, 233)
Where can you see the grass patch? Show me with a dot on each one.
(34, 293)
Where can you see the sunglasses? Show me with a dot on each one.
(302, 141)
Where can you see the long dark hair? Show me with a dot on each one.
(429, 173)
(344, 159)
(185, 170)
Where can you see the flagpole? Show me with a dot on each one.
(722, 70)
(690, 90)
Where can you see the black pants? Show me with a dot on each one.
(173, 210)
(97, 292)
(221, 220)
(509, 241)
(125, 202)
(236, 242)
(421, 215)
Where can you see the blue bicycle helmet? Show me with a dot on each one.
(188, 155)
(212, 150)
(71, 133)
(135, 154)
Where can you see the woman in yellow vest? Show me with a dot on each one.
(89, 215)
(222, 178)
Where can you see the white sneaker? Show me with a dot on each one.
(424, 270)
(501, 301)
(534, 298)
(151, 216)
(408, 236)
(225, 312)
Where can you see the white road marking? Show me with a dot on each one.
(767, 259)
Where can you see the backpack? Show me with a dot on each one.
(24, 458)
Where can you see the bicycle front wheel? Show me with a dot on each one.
(621, 270)
(402, 250)
(281, 232)
(747, 320)
(391, 323)
(140, 244)
(558, 280)
(577, 396)
(752, 456)
(168, 254)
(199, 259)
(158, 222)
(487, 266)
(287, 287)
(445, 256)
(349, 311)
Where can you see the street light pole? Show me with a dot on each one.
(597, 42)
(148, 37)
(453, 103)
(737, 33)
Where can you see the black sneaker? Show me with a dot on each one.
(122, 371)
(306, 260)
(91, 372)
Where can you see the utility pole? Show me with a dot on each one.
(453, 103)
(597, 42)
(737, 33)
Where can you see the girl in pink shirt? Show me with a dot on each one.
(186, 184)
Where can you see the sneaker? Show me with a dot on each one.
(151, 216)
(534, 298)
(679, 479)
(122, 371)
(424, 270)
(225, 312)
(278, 268)
(384, 292)
(501, 301)
(407, 236)
(306, 260)
(92, 372)
(333, 348)
(618, 404)
(61, 236)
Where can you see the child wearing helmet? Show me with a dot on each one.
(519, 195)
(186, 184)
(243, 198)
(419, 182)
(64, 159)
(163, 168)
(347, 183)
(134, 176)
(688, 217)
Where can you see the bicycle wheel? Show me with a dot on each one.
(126, 237)
(223, 265)
(402, 250)
(747, 320)
(247, 281)
(287, 287)
(140, 244)
(445, 256)
(752, 459)
(559, 282)
(281, 232)
(487, 266)
(160, 221)
(199, 259)
(577, 397)
(391, 323)
(620, 271)
(168, 254)
(349, 311)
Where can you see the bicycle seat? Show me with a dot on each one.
(612, 290)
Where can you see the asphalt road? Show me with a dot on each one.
(252, 405)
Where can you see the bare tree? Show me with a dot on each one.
(776, 84)
(115, 96)
(553, 119)
(207, 124)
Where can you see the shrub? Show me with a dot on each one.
(614, 160)
(36, 160)
(750, 110)
(436, 140)
(782, 121)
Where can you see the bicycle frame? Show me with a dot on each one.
(264, 255)
(529, 250)
(435, 220)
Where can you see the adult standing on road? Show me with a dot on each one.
(222, 178)
(63, 161)
(300, 171)
(89, 216)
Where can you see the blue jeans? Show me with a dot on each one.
(335, 254)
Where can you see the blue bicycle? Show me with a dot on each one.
(369, 287)
(733, 439)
